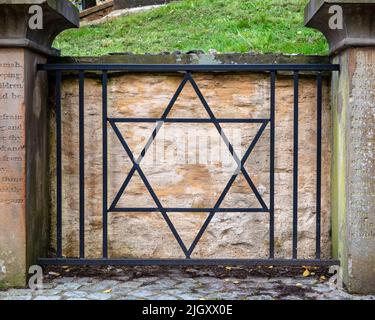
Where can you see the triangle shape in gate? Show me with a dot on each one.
(135, 195)
(188, 105)
(188, 224)
(137, 136)
(241, 136)
(241, 195)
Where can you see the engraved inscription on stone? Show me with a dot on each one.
(12, 141)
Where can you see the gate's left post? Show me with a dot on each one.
(26, 34)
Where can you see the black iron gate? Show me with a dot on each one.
(188, 71)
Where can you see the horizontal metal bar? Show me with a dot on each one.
(190, 67)
(188, 262)
(187, 120)
(188, 210)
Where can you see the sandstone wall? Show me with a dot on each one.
(193, 184)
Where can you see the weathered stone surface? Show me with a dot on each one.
(195, 57)
(24, 219)
(47, 298)
(361, 175)
(68, 286)
(353, 176)
(353, 183)
(250, 288)
(12, 172)
(23, 133)
(236, 235)
(99, 296)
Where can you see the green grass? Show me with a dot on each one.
(264, 26)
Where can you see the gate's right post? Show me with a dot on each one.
(350, 29)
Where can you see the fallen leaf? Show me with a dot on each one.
(299, 285)
(306, 273)
(107, 291)
(236, 282)
(51, 273)
(228, 268)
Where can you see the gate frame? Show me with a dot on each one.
(187, 70)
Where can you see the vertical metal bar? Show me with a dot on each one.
(319, 165)
(105, 163)
(58, 165)
(295, 166)
(81, 165)
(272, 165)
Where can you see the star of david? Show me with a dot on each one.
(239, 162)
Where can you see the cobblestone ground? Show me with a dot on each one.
(178, 284)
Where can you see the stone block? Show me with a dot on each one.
(353, 160)
(23, 133)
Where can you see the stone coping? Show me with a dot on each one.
(196, 57)
(26, 43)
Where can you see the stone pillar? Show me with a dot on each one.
(352, 46)
(24, 130)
